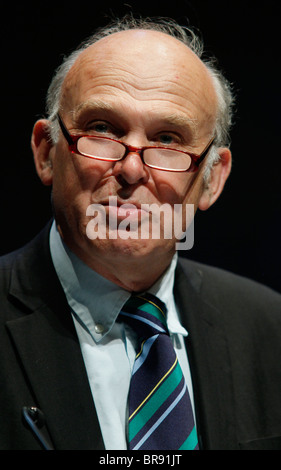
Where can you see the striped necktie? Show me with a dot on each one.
(160, 413)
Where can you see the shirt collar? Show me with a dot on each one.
(94, 300)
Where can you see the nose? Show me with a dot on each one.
(131, 169)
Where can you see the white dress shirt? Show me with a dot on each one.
(108, 347)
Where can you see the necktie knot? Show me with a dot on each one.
(146, 314)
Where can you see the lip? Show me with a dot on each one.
(122, 210)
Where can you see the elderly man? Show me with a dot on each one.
(136, 120)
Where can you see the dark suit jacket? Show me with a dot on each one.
(234, 349)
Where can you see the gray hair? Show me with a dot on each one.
(172, 28)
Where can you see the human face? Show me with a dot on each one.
(143, 88)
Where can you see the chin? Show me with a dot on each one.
(128, 249)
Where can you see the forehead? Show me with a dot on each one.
(145, 67)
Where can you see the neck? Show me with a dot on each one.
(134, 276)
(132, 273)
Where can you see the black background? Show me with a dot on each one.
(241, 232)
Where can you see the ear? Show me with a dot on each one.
(218, 177)
(42, 146)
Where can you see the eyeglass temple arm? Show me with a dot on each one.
(64, 130)
(205, 152)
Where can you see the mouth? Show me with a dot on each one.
(120, 210)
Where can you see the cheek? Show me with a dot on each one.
(88, 172)
(184, 190)
(77, 173)
(75, 178)
(174, 188)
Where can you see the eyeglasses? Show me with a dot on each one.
(111, 150)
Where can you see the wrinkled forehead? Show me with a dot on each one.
(144, 64)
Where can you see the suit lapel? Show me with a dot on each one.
(209, 363)
(49, 351)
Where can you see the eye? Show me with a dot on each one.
(99, 128)
(168, 139)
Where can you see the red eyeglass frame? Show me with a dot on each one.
(195, 158)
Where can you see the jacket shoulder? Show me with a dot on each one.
(26, 265)
(6, 265)
(225, 288)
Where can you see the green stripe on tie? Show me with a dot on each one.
(155, 401)
(191, 442)
(148, 307)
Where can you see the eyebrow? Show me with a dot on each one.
(180, 120)
(92, 106)
(177, 120)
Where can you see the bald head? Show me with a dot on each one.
(144, 66)
(169, 27)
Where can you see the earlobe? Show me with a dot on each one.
(219, 174)
(41, 147)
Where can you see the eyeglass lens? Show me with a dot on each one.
(104, 149)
